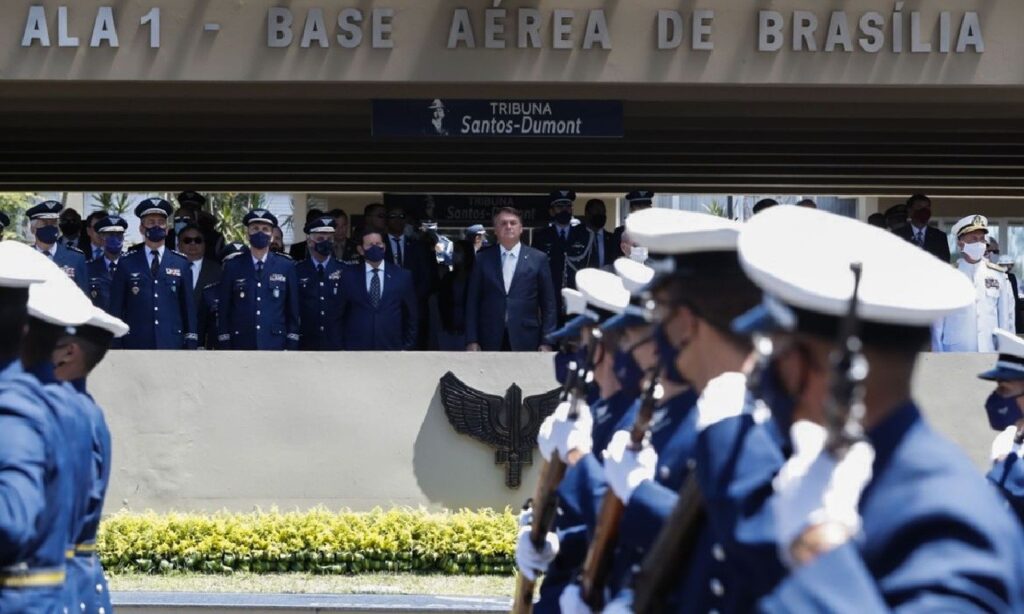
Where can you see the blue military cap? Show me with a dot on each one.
(110, 223)
(153, 205)
(572, 328)
(46, 210)
(320, 224)
(1010, 364)
(4, 220)
(474, 230)
(640, 198)
(259, 215)
(189, 197)
(562, 197)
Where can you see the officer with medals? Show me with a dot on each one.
(971, 329)
(209, 302)
(319, 278)
(38, 477)
(1005, 415)
(152, 288)
(110, 230)
(259, 294)
(44, 219)
(600, 298)
(77, 354)
(567, 245)
(870, 494)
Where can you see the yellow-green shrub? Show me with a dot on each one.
(317, 541)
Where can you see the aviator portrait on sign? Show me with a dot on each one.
(437, 121)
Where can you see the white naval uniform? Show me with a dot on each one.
(971, 329)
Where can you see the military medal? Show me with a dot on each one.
(277, 293)
(135, 289)
(241, 294)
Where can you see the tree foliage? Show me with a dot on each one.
(14, 205)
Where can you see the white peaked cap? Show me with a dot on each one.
(103, 320)
(635, 276)
(668, 231)
(21, 265)
(602, 290)
(57, 300)
(802, 257)
(575, 302)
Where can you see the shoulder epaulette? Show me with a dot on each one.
(174, 251)
(994, 266)
(73, 249)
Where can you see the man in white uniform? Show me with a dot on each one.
(971, 329)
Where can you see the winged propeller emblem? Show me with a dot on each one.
(508, 423)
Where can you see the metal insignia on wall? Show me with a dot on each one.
(508, 423)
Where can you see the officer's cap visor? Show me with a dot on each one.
(572, 328)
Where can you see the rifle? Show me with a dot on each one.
(599, 556)
(844, 408)
(545, 499)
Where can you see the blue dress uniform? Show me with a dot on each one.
(320, 304)
(68, 259)
(259, 310)
(160, 310)
(100, 271)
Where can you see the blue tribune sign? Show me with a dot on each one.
(551, 119)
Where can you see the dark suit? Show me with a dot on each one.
(1018, 320)
(259, 312)
(422, 265)
(160, 311)
(526, 314)
(611, 249)
(320, 304)
(390, 326)
(935, 241)
(210, 273)
(617, 241)
(565, 256)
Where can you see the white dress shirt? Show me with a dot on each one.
(509, 261)
(149, 255)
(197, 267)
(369, 277)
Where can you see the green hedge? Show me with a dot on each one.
(318, 541)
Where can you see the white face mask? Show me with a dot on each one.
(975, 251)
(638, 254)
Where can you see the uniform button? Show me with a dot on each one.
(718, 552)
(321, 284)
(156, 309)
(156, 295)
(101, 611)
(712, 611)
(321, 329)
(257, 298)
(81, 605)
(664, 472)
(156, 322)
(716, 587)
(259, 285)
(257, 312)
(257, 327)
(321, 313)
(99, 588)
(691, 464)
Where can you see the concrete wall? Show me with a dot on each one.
(206, 430)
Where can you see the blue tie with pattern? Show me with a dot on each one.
(375, 289)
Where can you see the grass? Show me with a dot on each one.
(374, 584)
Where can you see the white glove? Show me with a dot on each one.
(724, 397)
(623, 604)
(529, 560)
(558, 432)
(1003, 444)
(813, 488)
(570, 602)
(624, 469)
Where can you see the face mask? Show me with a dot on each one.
(374, 253)
(563, 217)
(667, 354)
(113, 245)
(562, 360)
(1002, 411)
(627, 371)
(598, 220)
(156, 233)
(259, 240)
(324, 248)
(921, 216)
(638, 254)
(70, 229)
(975, 251)
(47, 234)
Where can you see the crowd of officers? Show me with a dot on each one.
(55, 448)
(738, 432)
(213, 294)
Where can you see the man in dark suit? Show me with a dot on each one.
(637, 200)
(605, 250)
(569, 248)
(259, 293)
(152, 288)
(918, 232)
(510, 303)
(378, 301)
(412, 255)
(320, 288)
(205, 271)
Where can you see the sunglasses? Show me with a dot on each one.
(195, 240)
(396, 216)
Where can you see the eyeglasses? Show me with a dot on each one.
(190, 241)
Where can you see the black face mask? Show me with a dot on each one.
(70, 229)
(598, 220)
(563, 217)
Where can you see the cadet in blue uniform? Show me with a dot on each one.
(259, 294)
(1005, 415)
(152, 288)
(901, 520)
(44, 225)
(101, 270)
(320, 298)
(209, 302)
(35, 479)
(568, 247)
(76, 356)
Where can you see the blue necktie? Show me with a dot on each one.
(375, 289)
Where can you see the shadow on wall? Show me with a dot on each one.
(440, 469)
